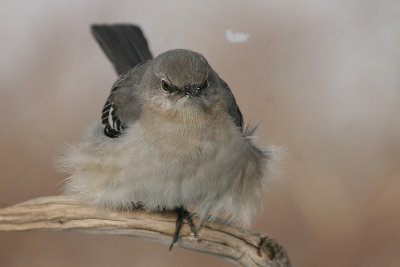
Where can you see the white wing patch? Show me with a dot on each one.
(110, 118)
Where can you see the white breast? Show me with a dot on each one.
(165, 165)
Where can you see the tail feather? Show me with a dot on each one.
(124, 45)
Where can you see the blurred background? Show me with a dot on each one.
(321, 77)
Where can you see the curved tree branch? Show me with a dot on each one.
(63, 213)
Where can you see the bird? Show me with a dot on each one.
(170, 137)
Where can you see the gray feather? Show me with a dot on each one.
(233, 108)
(125, 102)
(124, 45)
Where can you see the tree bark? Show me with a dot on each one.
(63, 213)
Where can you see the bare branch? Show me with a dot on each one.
(62, 213)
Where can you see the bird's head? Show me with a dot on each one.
(182, 81)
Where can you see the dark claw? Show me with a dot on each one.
(188, 217)
(182, 213)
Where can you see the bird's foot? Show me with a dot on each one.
(182, 214)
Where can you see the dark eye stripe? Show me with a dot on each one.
(204, 85)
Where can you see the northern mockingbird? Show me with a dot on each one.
(171, 137)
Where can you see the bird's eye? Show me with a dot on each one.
(166, 87)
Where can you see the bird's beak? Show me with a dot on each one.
(192, 91)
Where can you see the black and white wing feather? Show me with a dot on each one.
(113, 126)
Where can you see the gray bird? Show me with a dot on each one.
(171, 137)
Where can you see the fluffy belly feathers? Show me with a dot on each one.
(204, 173)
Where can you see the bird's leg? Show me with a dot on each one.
(178, 227)
(188, 217)
(182, 214)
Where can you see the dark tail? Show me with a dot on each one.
(124, 45)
